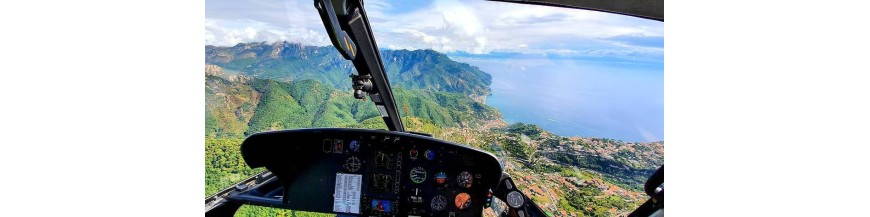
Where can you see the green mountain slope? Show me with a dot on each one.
(430, 70)
(443, 108)
(277, 109)
(282, 61)
(229, 103)
(237, 106)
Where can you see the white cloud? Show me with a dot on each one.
(231, 22)
(483, 27)
(232, 32)
(444, 25)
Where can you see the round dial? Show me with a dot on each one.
(382, 160)
(352, 164)
(441, 178)
(430, 155)
(515, 199)
(464, 179)
(354, 146)
(418, 175)
(413, 154)
(439, 202)
(462, 201)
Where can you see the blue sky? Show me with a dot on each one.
(454, 27)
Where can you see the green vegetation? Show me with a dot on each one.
(229, 106)
(239, 106)
(615, 172)
(545, 167)
(277, 109)
(517, 148)
(282, 61)
(430, 70)
(224, 166)
(442, 108)
(574, 172)
(256, 211)
(531, 130)
(591, 202)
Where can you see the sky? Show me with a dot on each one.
(476, 28)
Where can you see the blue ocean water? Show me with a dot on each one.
(569, 97)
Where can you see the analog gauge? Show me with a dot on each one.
(515, 199)
(464, 179)
(354, 146)
(430, 155)
(462, 201)
(352, 164)
(439, 202)
(382, 160)
(418, 175)
(440, 178)
(413, 154)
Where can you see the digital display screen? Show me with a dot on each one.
(382, 205)
(381, 183)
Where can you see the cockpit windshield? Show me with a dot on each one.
(570, 101)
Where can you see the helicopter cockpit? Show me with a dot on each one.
(374, 173)
(364, 172)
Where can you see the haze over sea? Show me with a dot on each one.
(570, 97)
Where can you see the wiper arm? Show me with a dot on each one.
(350, 33)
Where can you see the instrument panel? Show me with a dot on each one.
(375, 173)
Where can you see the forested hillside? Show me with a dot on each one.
(282, 61)
(237, 105)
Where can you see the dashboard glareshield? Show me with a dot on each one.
(393, 174)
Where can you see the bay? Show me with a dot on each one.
(570, 97)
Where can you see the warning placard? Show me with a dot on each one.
(347, 193)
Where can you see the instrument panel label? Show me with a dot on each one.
(347, 193)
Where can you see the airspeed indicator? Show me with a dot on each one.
(418, 175)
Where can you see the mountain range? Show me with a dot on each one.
(283, 61)
(286, 86)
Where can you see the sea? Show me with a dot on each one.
(621, 100)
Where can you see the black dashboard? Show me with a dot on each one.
(363, 172)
